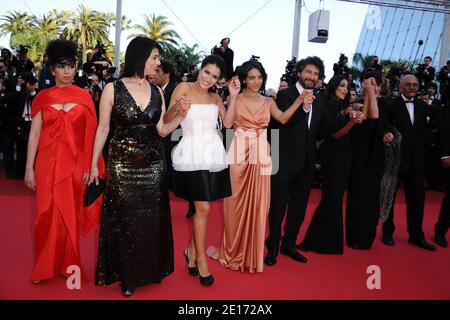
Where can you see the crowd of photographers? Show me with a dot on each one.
(20, 81)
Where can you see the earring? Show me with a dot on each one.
(243, 82)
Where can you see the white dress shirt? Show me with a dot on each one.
(410, 107)
(300, 91)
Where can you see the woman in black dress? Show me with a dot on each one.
(325, 234)
(363, 196)
(135, 245)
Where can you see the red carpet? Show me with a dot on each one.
(407, 272)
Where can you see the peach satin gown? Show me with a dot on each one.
(245, 212)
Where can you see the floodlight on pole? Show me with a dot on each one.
(296, 35)
(117, 39)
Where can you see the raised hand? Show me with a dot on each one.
(234, 87)
(308, 98)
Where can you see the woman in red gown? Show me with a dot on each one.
(58, 164)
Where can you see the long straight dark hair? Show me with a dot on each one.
(137, 53)
(333, 84)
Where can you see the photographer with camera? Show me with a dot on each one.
(16, 125)
(99, 59)
(98, 63)
(95, 91)
(425, 73)
(341, 66)
(21, 63)
(227, 55)
(444, 80)
(373, 65)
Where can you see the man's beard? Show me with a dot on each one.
(306, 86)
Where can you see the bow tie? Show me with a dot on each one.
(409, 101)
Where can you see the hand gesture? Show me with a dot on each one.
(308, 98)
(368, 86)
(30, 179)
(388, 138)
(234, 87)
(356, 116)
(93, 175)
(182, 105)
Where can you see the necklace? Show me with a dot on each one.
(251, 95)
(138, 81)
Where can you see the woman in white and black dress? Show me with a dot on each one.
(200, 164)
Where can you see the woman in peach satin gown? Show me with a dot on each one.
(245, 212)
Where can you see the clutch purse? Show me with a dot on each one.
(93, 191)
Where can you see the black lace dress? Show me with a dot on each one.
(135, 244)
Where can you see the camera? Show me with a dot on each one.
(342, 58)
(22, 49)
(101, 49)
(421, 68)
(26, 76)
(253, 57)
(290, 72)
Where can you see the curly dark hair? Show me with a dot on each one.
(61, 51)
(316, 61)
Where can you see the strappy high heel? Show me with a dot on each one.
(193, 271)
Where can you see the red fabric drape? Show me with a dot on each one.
(64, 155)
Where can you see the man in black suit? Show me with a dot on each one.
(18, 124)
(291, 185)
(425, 73)
(227, 55)
(442, 225)
(408, 115)
(166, 80)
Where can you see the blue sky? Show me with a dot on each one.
(268, 33)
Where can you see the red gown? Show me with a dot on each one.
(64, 155)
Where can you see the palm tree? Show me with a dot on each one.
(191, 55)
(16, 25)
(47, 26)
(87, 28)
(126, 22)
(157, 28)
(43, 30)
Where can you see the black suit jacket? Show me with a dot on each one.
(168, 90)
(414, 137)
(445, 134)
(297, 146)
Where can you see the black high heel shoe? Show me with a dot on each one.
(206, 281)
(193, 271)
(127, 292)
(191, 210)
